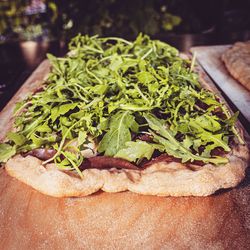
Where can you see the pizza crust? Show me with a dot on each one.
(237, 62)
(161, 179)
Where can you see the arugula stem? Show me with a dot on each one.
(74, 165)
(134, 108)
(177, 110)
(22, 107)
(148, 53)
(82, 88)
(32, 127)
(102, 60)
(80, 95)
(91, 103)
(92, 74)
(140, 93)
(92, 49)
(98, 46)
(62, 142)
(236, 133)
(116, 39)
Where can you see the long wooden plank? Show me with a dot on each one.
(127, 220)
(31, 84)
(209, 58)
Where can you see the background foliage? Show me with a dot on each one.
(62, 19)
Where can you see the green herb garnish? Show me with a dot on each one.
(111, 90)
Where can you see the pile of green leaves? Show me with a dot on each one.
(110, 89)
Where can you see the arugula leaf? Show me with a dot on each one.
(208, 122)
(145, 77)
(44, 128)
(17, 138)
(135, 150)
(118, 133)
(174, 147)
(216, 139)
(61, 110)
(82, 136)
(6, 152)
(116, 62)
(112, 89)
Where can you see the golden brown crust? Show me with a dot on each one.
(162, 179)
(237, 62)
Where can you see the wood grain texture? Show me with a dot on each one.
(210, 59)
(31, 220)
(32, 83)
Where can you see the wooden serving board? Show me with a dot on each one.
(32, 83)
(210, 59)
(31, 220)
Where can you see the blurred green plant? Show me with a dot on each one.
(117, 17)
(32, 19)
(26, 20)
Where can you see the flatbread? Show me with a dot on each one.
(161, 179)
(237, 62)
